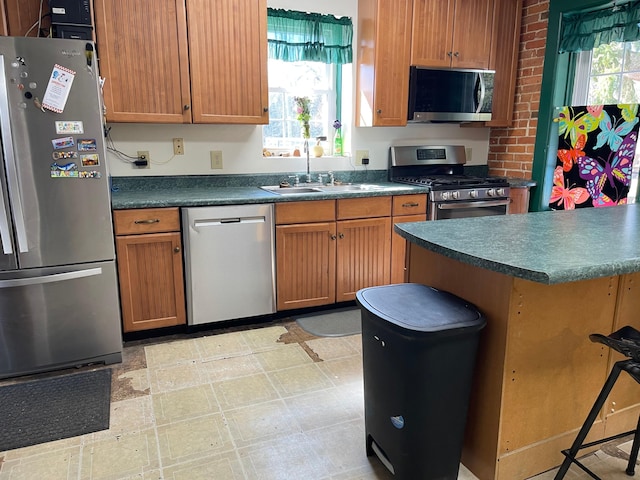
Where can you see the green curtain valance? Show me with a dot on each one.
(298, 36)
(585, 31)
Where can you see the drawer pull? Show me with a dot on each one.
(411, 204)
(147, 221)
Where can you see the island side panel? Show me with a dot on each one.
(490, 292)
(553, 371)
(623, 405)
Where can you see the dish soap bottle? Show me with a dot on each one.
(337, 143)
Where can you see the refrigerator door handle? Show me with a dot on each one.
(56, 277)
(11, 168)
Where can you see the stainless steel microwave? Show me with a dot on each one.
(450, 95)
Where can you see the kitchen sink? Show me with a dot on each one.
(318, 188)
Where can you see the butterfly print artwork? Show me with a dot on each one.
(569, 156)
(596, 151)
(619, 168)
(568, 197)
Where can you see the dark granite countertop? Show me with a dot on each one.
(192, 191)
(546, 247)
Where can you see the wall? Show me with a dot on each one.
(511, 149)
(241, 145)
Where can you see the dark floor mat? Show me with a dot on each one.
(48, 409)
(334, 323)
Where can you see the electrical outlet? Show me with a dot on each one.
(216, 159)
(143, 155)
(467, 152)
(178, 146)
(360, 154)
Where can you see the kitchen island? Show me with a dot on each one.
(544, 281)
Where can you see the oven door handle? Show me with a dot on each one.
(485, 203)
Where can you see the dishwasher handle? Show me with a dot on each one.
(216, 222)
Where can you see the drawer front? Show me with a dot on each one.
(364, 207)
(146, 220)
(305, 212)
(409, 204)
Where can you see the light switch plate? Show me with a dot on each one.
(178, 146)
(216, 159)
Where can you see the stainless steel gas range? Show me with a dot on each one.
(452, 193)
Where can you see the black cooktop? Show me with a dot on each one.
(453, 181)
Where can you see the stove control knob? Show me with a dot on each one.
(500, 192)
(491, 192)
(473, 194)
(445, 195)
(455, 195)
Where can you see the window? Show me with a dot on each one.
(285, 80)
(609, 73)
(307, 52)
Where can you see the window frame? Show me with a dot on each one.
(556, 91)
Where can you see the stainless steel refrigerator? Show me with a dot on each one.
(59, 303)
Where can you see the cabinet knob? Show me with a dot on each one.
(265, 109)
(456, 54)
(333, 237)
(449, 54)
(176, 249)
(187, 107)
(341, 235)
(378, 111)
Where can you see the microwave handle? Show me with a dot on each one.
(481, 87)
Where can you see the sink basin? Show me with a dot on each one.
(290, 190)
(317, 188)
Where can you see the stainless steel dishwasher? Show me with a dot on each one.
(229, 262)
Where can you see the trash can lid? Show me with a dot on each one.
(418, 307)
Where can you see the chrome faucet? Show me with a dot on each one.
(331, 178)
(306, 150)
(296, 180)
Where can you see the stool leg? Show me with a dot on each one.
(582, 434)
(633, 456)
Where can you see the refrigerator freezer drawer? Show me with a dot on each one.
(58, 317)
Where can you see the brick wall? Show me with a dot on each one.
(511, 149)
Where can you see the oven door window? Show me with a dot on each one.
(443, 210)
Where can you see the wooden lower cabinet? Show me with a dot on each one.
(325, 251)
(406, 208)
(150, 271)
(305, 265)
(363, 256)
(519, 200)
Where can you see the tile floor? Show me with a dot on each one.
(259, 403)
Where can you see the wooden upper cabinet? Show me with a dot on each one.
(143, 56)
(228, 49)
(452, 33)
(384, 50)
(504, 60)
(184, 61)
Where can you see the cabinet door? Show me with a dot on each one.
(504, 60)
(151, 281)
(305, 265)
(519, 200)
(363, 257)
(399, 248)
(143, 56)
(228, 55)
(432, 33)
(472, 34)
(384, 51)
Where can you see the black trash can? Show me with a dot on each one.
(419, 348)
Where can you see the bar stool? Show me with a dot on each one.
(626, 341)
